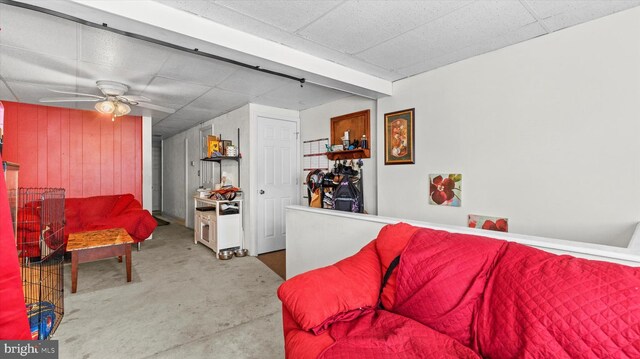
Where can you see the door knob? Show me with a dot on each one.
(261, 192)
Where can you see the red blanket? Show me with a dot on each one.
(13, 315)
(382, 335)
(505, 300)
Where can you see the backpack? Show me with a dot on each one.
(346, 197)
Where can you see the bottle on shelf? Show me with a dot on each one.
(363, 142)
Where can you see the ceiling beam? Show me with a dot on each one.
(153, 19)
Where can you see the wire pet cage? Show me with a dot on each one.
(40, 243)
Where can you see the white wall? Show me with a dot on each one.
(173, 175)
(316, 123)
(544, 132)
(176, 195)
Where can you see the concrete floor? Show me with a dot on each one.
(182, 303)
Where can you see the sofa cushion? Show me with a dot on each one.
(123, 203)
(301, 344)
(138, 223)
(382, 334)
(541, 305)
(96, 206)
(340, 291)
(441, 277)
(391, 241)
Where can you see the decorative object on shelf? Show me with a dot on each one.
(499, 224)
(224, 144)
(399, 147)
(363, 142)
(445, 189)
(345, 131)
(230, 150)
(345, 139)
(213, 145)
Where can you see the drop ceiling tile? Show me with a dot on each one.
(171, 93)
(569, 13)
(33, 92)
(27, 66)
(189, 116)
(295, 97)
(118, 51)
(5, 93)
(37, 32)
(474, 23)
(216, 101)
(252, 82)
(196, 69)
(548, 8)
(522, 34)
(359, 25)
(289, 15)
(233, 19)
(89, 73)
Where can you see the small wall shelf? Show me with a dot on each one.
(349, 154)
(357, 124)
(219, 160)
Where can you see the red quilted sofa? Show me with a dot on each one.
(461, 296)
(87, 214)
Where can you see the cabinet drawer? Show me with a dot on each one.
(208, 215)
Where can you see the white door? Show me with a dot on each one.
(277, 175)
(156, 185)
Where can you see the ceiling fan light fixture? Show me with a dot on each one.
(105, 106)
(121, 109)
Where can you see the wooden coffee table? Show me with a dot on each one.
(96, 245)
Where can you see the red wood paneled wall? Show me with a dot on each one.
(83, 152)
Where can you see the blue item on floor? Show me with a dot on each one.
(42, 317)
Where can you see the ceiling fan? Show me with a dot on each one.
(114, 101)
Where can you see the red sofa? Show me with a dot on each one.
(87, 214)
(461, 296)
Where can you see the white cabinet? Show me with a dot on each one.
(218, 224)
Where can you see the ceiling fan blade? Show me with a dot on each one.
(131, 98)
(78, 93)
(69, 99)
(155, 107)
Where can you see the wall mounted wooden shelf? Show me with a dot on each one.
(349, 154)
(357, 124)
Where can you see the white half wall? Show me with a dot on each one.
(315, 123)
(544, 132)
(320, 237)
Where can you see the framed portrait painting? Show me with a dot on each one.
(399, 137)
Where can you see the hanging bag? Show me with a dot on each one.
(346, 196)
